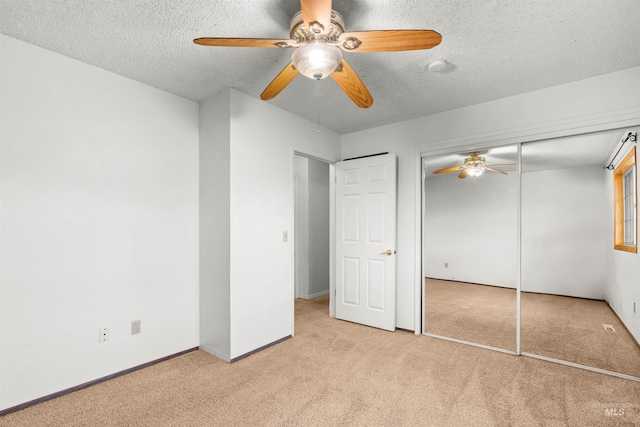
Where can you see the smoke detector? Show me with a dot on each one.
(440, 66)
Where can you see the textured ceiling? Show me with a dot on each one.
(498, 48)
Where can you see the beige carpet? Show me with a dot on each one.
(476, 313)
(572, 329)
(339, 373)
(564, 328)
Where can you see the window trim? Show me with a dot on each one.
(618, 201)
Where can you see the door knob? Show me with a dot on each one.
(387, 252)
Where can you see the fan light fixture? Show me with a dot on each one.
(475, 171)
(473, 166)
(316, 60)
(317, 37)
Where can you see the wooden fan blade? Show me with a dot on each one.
(463, 174)
(281, 81)
(238, 42)
(316, 11)
(351, 84)
(390, 40)
(495, 170)
(451, 169)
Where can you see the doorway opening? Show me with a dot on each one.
(312, 236)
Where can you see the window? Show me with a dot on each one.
(628, 184)
(625, 200)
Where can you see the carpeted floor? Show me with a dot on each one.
(572, 329)
(466, 311)
(339, 373)
(564, 328)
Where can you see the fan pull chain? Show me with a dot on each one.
(318, 101)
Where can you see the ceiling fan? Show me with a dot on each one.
(318, 38)
(473, 166)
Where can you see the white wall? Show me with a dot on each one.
(472, 226)
(545, 112)
(564, 232)
(215, 187)
(261, 209)
(623, 272)
(99, 222)
(318, 228)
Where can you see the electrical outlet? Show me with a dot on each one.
(103, 334)
(136, 327)
(446, 265)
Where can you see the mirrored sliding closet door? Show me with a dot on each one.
(578, 291)
(470, 247)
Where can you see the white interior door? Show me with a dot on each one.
(366, 241)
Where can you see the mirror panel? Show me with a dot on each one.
(470, 248)
(571, 276)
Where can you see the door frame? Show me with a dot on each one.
(296, 151)
(294, 235)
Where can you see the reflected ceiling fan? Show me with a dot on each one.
(473, 166)
(318, 38)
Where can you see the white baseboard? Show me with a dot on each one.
(314, 295)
